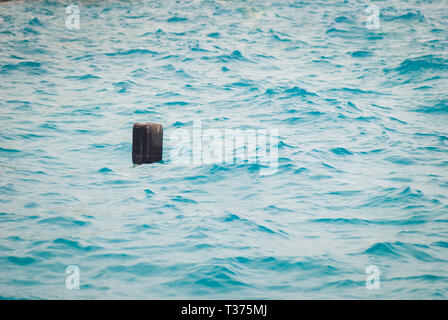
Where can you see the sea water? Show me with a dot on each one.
(357, 205)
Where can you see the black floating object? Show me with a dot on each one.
(147, 140)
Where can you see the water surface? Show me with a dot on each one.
(362, 116)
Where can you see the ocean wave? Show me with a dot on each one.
(421, 63)
(361, 162)
(400, 250)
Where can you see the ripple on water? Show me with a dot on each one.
(360, 176)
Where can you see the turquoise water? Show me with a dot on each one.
(362, 116)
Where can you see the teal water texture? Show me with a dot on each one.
(362, 116)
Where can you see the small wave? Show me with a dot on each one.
(87, 76)
(353, 221)
(6, 150)
(336, 31)
(209, 278)
(276, 37)
(308, 265)
(111, 256)
(392, 197)
(408, 16)
(177, 19)
(123, 86)
(360, 54)
(63, 221)
(356, 91)
(71, 244)
(213, 35)
(341, 151)
(402, 250)
(25, 66)
(422, 63)
(343, 19)
(236, 55)
(176, 103)
(35, 22)
(232, 217)
(440, 107)
(21, 261)
(143, 269)
(183, 200)
(443, 244)
(400, 160)
(287, 93)
(131, 52)
(273, 208)
(425, 278)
